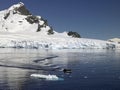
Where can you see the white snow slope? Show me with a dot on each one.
(20, 29)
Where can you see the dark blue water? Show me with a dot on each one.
(91, 69)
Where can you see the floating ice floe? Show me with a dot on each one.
(46, 77)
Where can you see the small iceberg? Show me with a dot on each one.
(46, 77)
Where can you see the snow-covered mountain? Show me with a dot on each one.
(20, 29)
(116, 40)
(18, 19)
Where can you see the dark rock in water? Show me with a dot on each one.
(67, 70)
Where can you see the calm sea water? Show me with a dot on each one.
(91, 69)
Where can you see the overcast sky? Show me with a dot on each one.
(99, 19)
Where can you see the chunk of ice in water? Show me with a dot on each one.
(85, 77)
(47, 77)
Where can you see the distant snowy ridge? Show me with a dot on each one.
(116, 40)
(20, 29)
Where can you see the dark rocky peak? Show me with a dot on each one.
(22, 10)
(19, 8)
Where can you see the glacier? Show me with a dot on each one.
(20, 29)
(52, 42)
